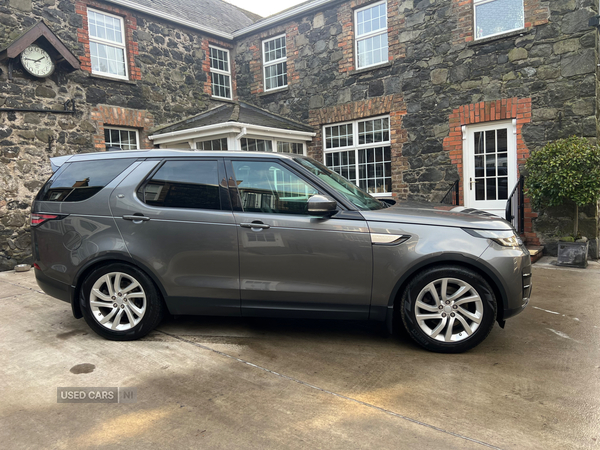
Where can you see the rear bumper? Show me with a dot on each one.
(53, 287)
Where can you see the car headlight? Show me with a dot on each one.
(506, 238)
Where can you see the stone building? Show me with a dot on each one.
(404, 97)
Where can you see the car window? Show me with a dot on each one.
(269, 187)
(184, 184)
(82, 180)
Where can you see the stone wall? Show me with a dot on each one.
(167, 83)
(436, 66)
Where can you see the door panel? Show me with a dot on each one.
(490, 166)
(292, 264)
(193, 251)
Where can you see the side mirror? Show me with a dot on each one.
(321, 206)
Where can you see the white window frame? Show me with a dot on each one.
(137, 133)
(356, 146)
(358, 38)
(273, 62)
(482, 2)
(221, 72)
(122, 45)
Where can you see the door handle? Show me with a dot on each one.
(136, 217)
(259, 225)
(471, 184)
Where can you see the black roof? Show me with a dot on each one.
(215, 14)
(239, 112)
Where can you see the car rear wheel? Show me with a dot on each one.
(448, 309)
(120, 302)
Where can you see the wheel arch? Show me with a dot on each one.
(444, 260)
(103, 261)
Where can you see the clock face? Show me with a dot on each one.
(37, 61)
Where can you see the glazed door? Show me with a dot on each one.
(490, 166)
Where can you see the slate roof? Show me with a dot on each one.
(239, 112)
(215, 14)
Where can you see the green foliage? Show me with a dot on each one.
(562, 171)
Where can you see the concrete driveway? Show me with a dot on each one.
(240, 383)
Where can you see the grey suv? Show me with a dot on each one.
(127, 236)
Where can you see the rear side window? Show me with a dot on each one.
(82, 180)
(184, 184)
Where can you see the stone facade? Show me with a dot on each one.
(543, 76)
(168, 81)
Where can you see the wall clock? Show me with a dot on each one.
(37, 61)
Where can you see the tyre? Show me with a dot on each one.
(120, 302)
(448, 309)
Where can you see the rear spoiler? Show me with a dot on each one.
(58, 161)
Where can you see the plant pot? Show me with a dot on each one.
(573, 254)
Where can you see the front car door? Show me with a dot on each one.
(178, 223)
(292, 264)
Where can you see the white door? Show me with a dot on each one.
(490, 165)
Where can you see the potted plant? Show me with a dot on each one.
(566, 171)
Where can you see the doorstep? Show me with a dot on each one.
(536, 252)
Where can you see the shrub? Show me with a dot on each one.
(564, 170)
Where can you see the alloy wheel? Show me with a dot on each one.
(449, 310)
(117, 301)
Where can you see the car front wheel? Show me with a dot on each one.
(448, 309)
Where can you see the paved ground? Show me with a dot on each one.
(240, 383)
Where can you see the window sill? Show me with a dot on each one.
(368, 69)
(222, 99)
(120, 80)
(509, 34)
(382, 195)
(274, 91)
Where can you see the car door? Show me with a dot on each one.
(292, 264)
(178, 223)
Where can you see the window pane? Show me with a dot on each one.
(105, 27)
(107, 59)
(269, 187)
(503, 188)
(276, 76)
(219, 59)
(342, 163)
(290, 147)
(274, 49)
(81, 180)
(220, 85)
(124, 139)
(371, 19)
(375, 169)
(341, 136)
(184, 184)
(498, 16)
(256, 145)
(373, 131)
(372, 50)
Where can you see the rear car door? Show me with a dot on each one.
(176, 220)
(292, 264)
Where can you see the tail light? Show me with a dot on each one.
(37, 218)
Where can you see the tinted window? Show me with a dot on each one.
(184, 184)
(269, 187)
(81, 180)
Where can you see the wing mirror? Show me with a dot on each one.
(321, 206)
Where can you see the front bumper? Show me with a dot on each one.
(513, 269)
